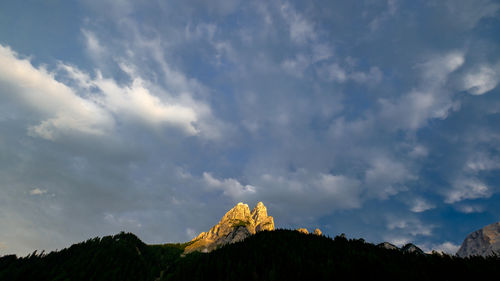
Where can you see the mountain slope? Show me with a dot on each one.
(291, 255)
(267, 255)
(119, 257)
(482, 242)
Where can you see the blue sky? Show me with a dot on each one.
(377, 119)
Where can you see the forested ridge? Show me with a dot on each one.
(268, 255)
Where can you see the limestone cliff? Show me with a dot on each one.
(235, 225)
(483, 242)
(302, 230)
(317, 231)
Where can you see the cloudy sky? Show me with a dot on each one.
(378, 119)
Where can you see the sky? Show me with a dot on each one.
(377, 119)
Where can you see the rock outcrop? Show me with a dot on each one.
(235, 225)
(411, 248)
(303, 230)
(483, 242)
(387, 245)
(317, 231)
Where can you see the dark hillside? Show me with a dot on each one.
(118, 257)
(290, 255)
(268, 255)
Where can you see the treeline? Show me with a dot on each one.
(290, 255)
(275, 255)
(119, 257)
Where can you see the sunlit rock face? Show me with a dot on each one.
(235, 225)
(317, 231)
(483, 242)
(303, 230)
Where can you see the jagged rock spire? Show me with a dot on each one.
(237, 224)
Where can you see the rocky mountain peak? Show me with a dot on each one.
(237, 224)
(239, 213)
(411, 248)
(482, 242)
(259, 213)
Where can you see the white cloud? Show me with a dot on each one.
(428, 101)
(419, 151)
(37, 191)
(446, 247)
(38, 89)
(229, 187)
(345, 190)
(483, 80)
(384, 177)
(469, 209)
(373, 76)
(91, 105)
(420, 205)
(481, 162)
(296, 66)
(411, 226)
(301, 30)
(334, 72)
(136, 101)
(467, 188)
(310, 193)
(321, 52)
(95, 49)
(435, 71)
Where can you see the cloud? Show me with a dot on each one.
(469, 13)
(341, 188)
(411, 226)
(483, 80)
(420, 205)
(478, 162)
(469, 209)
(301, 29)
(37, 191)
(138, 103)
(229, 187)
(373, 76)
(334, 72)
(385, 177)
(91, 106)
(296, 66)
(392, 9)
(429, 100)
(95, 49)
(64, 111)
(445, 247)
(467, 188)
